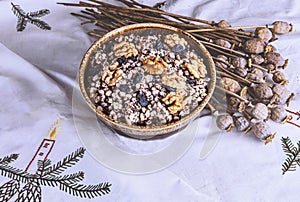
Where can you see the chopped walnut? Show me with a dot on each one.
(174, 80)
(112, 75)
(174, 101)
(125, 49)
(154, 65)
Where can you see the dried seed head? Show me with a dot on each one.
(221, 64)
(223, 23)
(256, 75)
(278, 77)
(233, 103)
(275, 59)
(270, 48)
(239, 62)
(242, 72)
(255, 46)
(261, 130)
(263, 91)
(223, 43)
(270, 67)
(279, 89)
(224, 121)
(260, 111)
(278, 114)
(257, 59)
(280, 27)
(230, 84)
(241, 123)
(281, 94)
(263, 33)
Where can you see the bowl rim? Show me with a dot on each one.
(140, 129)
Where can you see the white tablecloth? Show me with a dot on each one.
(38, 72)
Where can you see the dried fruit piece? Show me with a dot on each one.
(255, 46)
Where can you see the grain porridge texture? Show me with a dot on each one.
(150, 79)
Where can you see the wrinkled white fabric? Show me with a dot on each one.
(38, 72)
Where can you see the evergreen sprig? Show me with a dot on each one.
(31, 17)
(50, 175)
(8, 159)
(86, 191)
(67, 162)
(293, 155)
(15, 173)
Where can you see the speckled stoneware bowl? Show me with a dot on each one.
(92, 58)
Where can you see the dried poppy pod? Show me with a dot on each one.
(239, 62)
(263, 33)
(242, 124)
(271, 67)
(257, 59)
(221, 64)
(242, 72)
(256, 75)
(278, 114)
(223, 24)
(230, 84)
(281, 95)
(225, 122)
(280, 27)
(223, 43)
(233, 103)
(275, 59)
(260, 111)
(279, 77)
(254, 46)
(270, 48)
(262, 131)
(263, 91)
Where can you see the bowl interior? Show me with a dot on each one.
(102, 53)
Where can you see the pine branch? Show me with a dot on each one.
(39, 23)
(8, 159)
(66, 163)
(293, 155)
(18, 11)
(38, 14)
(86, 191)
(15, 174)
(21, 24)
(31, 17)
(54, 181)
(43, 166)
